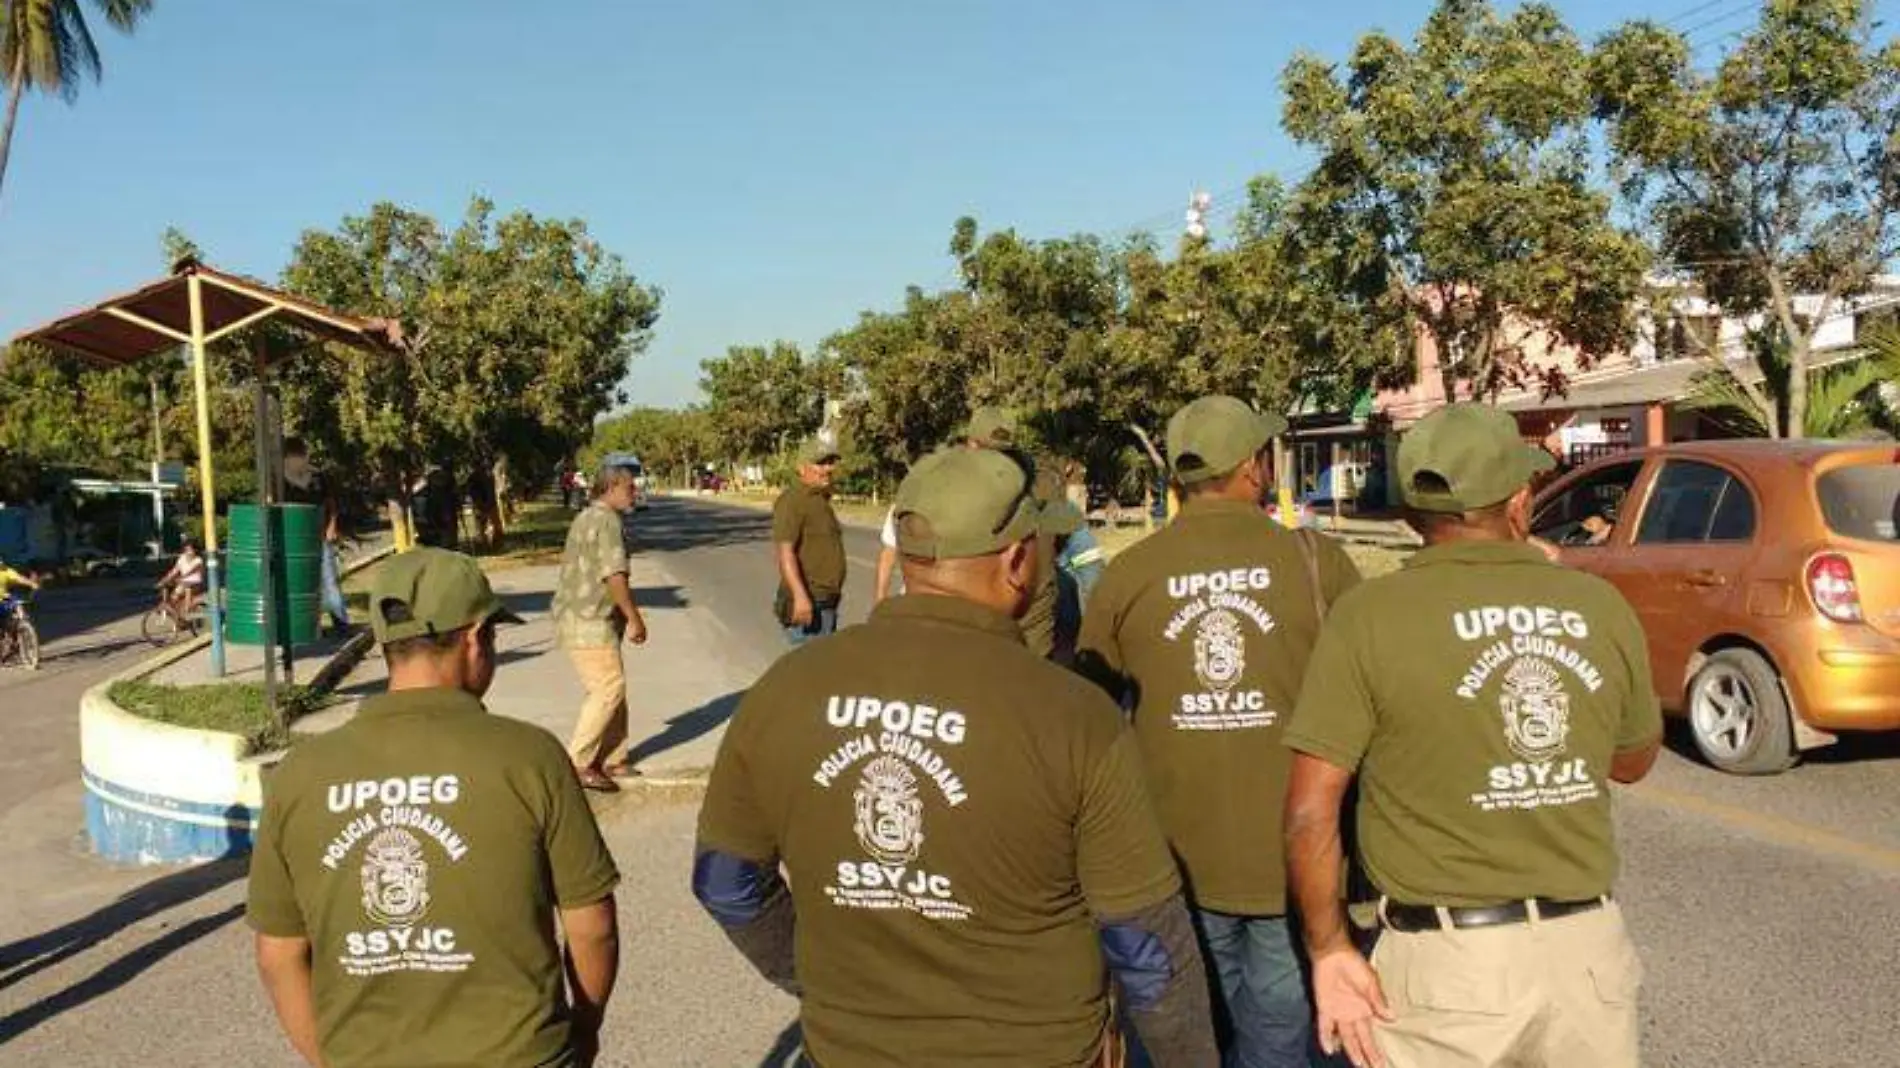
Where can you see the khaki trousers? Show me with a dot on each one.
(1545, 994)
(601, 731)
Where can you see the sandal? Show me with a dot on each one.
(592, 779)
(620, 769)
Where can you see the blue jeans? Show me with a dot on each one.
(824, 620)
(1262, 989)
(332, 588)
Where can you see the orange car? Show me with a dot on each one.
(1767, 575)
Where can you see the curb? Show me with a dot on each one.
(156, 793)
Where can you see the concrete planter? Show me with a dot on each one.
(163, 794)
(160, 794)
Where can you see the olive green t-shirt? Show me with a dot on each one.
(1481, 693)
(802, 518)
(954, 815)
(584, 612)
(1206, 626)
(423, 848)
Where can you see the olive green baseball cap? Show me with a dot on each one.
(1213, 435)
(970, 502)
(991, 426)
(817, 451)
(1464, 457)
(425, 592)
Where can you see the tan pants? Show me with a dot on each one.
(601, 731)
(1547, 994)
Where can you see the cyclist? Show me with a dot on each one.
(10, 578)
(186, 581)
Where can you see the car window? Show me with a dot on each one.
(1862, 501)
(1695, 502)
(1565, 518)
(1734, 518)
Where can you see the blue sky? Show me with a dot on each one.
(775, 167)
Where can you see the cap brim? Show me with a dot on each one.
(1540, 462)
(503, 615)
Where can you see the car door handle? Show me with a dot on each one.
(1706, 578)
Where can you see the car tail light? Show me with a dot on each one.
(1831, 584)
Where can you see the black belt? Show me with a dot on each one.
(1413, 918)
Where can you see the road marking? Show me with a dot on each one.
(1775, 828)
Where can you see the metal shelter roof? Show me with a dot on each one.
(157, 317)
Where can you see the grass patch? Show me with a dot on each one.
(232, 707)
(536, 536)
(1375, 560)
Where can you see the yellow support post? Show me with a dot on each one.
(207, 482)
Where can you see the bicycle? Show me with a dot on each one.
(19, 641)
(163, 621)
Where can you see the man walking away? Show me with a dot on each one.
(593, 613)
(809, 545)
(970, 852)
(410, 862)
(1487, 698)
(1206, 627)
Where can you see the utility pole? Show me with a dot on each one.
(1196, 230)
(158, 464)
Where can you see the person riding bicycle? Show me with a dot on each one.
(10, 578)
(186, 581)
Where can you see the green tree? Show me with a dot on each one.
(1774, 178)
(1453, 192)
(670, 442)
(46, 45)
(517, 332)
(760, 401)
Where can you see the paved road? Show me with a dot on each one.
(1765, 908)
(88, 634)
(721, 554)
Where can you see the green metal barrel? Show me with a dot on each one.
(296, 543)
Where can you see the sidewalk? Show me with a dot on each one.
(682, 685)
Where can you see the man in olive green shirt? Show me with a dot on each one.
(941, 840)
(808, 543)
(1043, 629)
(411, 863)
(1204, 629)
(1486, 697)
(594, 611)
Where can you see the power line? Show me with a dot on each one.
(1742, 11)
(1683, 16)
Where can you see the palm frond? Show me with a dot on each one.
(1883, 344)
(123, 15)
(82, 52)
(52, 43)
(1717, 393)
(1838, 400)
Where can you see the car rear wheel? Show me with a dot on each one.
(1739, 716)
